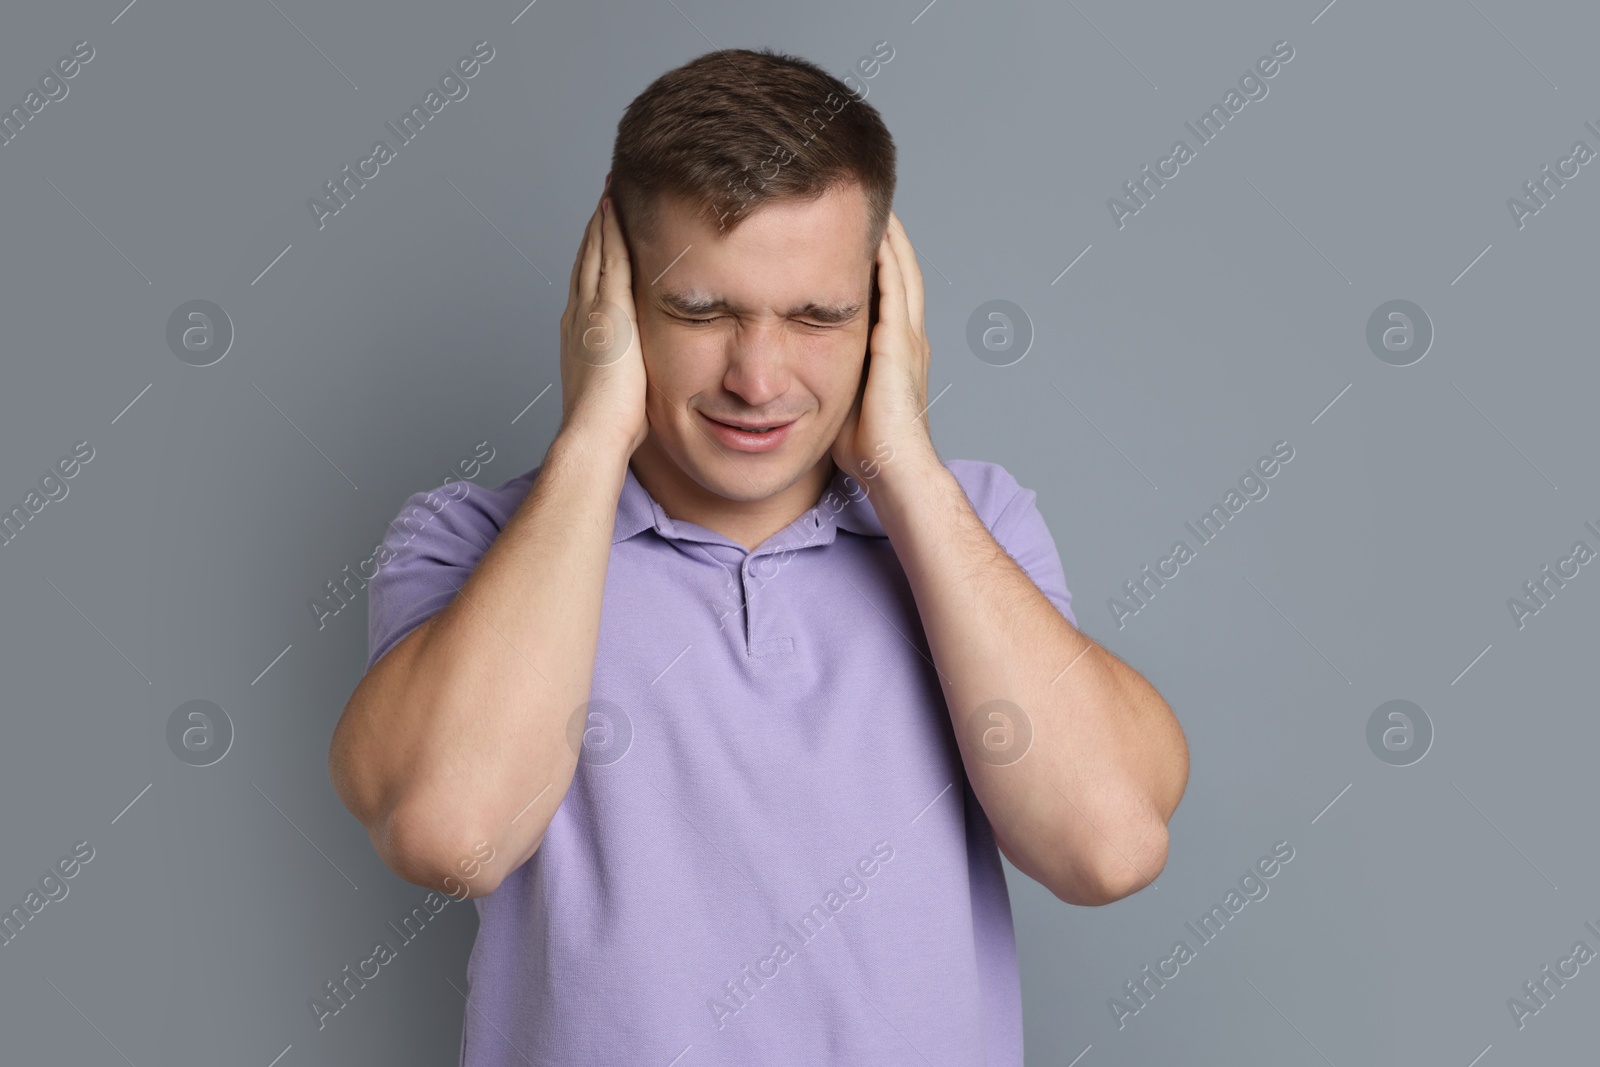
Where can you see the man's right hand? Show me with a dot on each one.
(602, 365)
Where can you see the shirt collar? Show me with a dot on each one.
(844, 505)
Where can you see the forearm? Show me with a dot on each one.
(1084, 808)
(465, 737)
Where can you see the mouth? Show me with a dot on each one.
(750, 427)
(748, 436)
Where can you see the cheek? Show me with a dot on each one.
(834, 399)
(851, 363)
(672, 364)
(828, 373)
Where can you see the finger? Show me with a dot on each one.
(911, 271)
(616, 268)
(892, 315)
(577, 260)
(589, 269)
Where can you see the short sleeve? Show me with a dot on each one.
(431, 548)
(1021, 531)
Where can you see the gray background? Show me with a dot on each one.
(1229, 314)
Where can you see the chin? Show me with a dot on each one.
(745, 477)
(756, 482)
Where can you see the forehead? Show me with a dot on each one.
(804, 240)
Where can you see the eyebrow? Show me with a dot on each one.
(695, 306)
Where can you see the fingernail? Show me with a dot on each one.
(605, 205)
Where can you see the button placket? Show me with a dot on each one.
(767, 571)
(744, 592)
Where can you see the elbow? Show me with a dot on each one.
(1117, 872)
(426, 850)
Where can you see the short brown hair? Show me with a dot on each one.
(736, 128)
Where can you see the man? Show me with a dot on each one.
(723, 714)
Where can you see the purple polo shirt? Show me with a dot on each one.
(769, 853)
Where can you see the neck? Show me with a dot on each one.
(749, 522)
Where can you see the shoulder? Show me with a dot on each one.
(461, 510)
(1011, 514)
(990, 487)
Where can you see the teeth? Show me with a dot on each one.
(749, 429)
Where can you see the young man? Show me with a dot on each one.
(723, 714)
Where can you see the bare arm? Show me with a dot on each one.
(459, 734)
(1082, 806)
(1075, 758)
(457, 747)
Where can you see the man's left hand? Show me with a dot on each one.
(888, 419)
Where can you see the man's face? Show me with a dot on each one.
(760, 325)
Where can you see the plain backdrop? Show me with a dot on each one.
(1168, 354)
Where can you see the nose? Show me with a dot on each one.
(757, 364)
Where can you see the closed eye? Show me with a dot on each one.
(707, 322)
